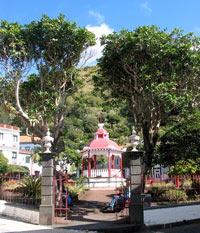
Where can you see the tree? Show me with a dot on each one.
(53, 47)
(185, 167)
(3, 163)
(156, 71)
(180, 142)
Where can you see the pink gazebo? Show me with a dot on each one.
(102, 147)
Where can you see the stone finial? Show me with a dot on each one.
(134, 139)
(47, 142)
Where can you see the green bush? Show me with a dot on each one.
(187, 184)
(75, 191)
(81, 180)
(157, 189)
(30, 187)
(174, 195)
(196, 185)
(78, 187)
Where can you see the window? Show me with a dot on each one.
(117, 161)
(27, 159)
(15, 138)
(1, 136)
(27, 148)
(14, 155)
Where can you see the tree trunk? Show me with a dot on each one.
(150, 140)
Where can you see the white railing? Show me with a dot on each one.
(102, 172)
(116, 172)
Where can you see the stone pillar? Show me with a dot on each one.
(136, 206)
(46, 207)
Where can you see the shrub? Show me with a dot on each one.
(157, 189)
(78, 187)
(81, 180)
(174, 195)
(187, 184)
(196, 185)
(30, 187)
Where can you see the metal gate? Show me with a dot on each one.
(60, 198)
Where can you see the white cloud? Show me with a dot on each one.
(100, 18)
(144, 6)
(95, 51)
(197, 29)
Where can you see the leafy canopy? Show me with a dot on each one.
(156, 71)
(181, 142)
(53, 48)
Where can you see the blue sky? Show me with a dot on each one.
(105, 16)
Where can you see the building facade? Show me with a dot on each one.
(9, 142)
(18, 149)
(26, 154)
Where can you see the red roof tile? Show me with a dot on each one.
(28, 139)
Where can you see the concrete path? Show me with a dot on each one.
(14, 226)
(11, 225)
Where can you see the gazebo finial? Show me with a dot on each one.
(100, 120)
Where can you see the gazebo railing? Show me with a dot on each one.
(102, 172)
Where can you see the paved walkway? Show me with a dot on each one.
(11, 225)
(87, 216)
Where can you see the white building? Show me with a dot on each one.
(18, 149)
(26, 154)
(9, 142)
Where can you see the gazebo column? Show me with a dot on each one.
(121, 166)
(89, 165)
(82, 165)
(95, 162)
(109, 167)
(113, 162)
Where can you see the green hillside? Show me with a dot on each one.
(84, 110)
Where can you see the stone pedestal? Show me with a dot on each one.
(46, 207)
(136, 206)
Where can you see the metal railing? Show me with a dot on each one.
(25, 190)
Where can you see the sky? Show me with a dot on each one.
(105, 16)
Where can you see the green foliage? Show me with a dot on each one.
(3, 163)
(101, 161)
(73, 156)
(185, 167)
(181, 143)
(54, 48)
(196, 184)
(186, 184)
(78, 188)
(162, 186)
(30, 187)
(81, 180)
(151, 69)
(17, 169)
(83, 114)
(175, 196)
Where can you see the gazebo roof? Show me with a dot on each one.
(101, 141)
